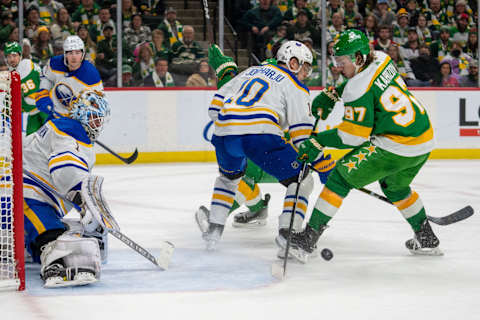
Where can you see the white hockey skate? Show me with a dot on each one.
(252, 220)
(424, 242)
(211, 232)
(201, 217)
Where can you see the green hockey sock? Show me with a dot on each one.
(234, 207)
(257, 206)
(417, 220)
(318, 219)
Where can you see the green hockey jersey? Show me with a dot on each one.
(379, 107)
(30, 83)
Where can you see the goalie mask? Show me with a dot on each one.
(92, 110)
(295, 49)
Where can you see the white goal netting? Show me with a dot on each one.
(9, 276)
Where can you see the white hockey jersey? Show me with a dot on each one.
(63, 86)
(60, 154)
(265, 99)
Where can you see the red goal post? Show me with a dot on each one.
(12, 261)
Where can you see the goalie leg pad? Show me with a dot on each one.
(75, 227)
(98, 212)
(70, 261)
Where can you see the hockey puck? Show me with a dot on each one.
(327, 254)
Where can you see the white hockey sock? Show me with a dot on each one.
(222, 199)
(301, 207)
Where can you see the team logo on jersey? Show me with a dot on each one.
(64, 93)
(295, 165)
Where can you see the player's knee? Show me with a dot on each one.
(393, 192)
(294, 179)
(338, 184)
(233, 176)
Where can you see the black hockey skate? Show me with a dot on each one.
(425, 242)
(303, 244)
(249, 219)
(56, 275)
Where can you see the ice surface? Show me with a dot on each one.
(372, 275)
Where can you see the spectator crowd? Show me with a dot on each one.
(432, 42)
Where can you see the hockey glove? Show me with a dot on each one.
(323, 166)
(323, 104)
(43, 102)
(309, 150)
(222, 64)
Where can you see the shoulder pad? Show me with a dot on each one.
(87, 73)
(56, 64)
(25, 67)
(69, 127)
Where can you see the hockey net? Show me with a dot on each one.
(12, 264)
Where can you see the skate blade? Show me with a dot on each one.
(211, 245)
(427, 252)
(254, 224)
(201, 217)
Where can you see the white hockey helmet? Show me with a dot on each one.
(295, 49)
(73, 43)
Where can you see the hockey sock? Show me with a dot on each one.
(326, 207)
(305, 189)
(248, 194)
(412, 210)
(222, 199)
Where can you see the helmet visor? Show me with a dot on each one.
(340, 61)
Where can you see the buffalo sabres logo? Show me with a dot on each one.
(64, 93)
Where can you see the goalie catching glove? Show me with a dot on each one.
(224, 66)
(323, 104)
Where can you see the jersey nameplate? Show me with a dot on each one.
(386, 76)
(267, 72)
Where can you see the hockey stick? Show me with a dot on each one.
(128, 160)
(278, 271)
(456, 216)
(166, 248)
(208, 23)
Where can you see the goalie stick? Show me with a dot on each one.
(166, 248)
(456, 216)
(128, 160)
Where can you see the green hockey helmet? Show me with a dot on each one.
(350, 42)
(12, 47)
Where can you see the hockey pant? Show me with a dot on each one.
(40, 219)
(273, 155)
(364, 165)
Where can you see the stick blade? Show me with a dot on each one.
(457, 216)
(166, 252)
(133, 157)
(278, 271)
